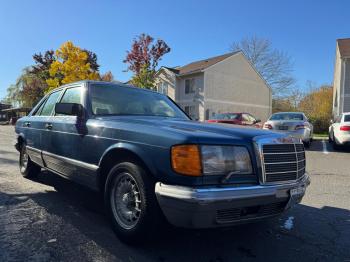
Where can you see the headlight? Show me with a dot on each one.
(218, 160)
(195, 160)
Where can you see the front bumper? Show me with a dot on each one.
(205, 207)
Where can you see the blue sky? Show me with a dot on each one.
(306, 30)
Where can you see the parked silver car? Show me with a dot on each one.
(295, 123)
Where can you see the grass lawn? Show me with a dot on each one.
(320, 135)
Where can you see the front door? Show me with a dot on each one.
(67, 133)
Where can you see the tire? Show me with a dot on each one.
(307, 144)
(335, 145)
(330, 139)
(27, 167)
(131, 203)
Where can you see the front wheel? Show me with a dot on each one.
(330, 139)
(27, 167)
(307, 144)
(131, 203)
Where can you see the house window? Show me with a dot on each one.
(190, 111)
(189, 86)
(163, 88)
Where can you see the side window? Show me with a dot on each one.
(38, 111)
(245, 118)
(251, 118)
(50, 104)
(248, 118)
(72, 95)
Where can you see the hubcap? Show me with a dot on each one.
(126, 201)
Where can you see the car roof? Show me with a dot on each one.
(288, 113)
(88, 82)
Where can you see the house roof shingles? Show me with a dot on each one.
(198, 66)
(344, 47)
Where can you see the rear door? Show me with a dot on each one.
(33, 129)
(37, 128)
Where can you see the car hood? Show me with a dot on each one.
(196, 129)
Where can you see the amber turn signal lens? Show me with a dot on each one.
(185, 160)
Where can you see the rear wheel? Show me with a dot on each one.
(336, 146)
(27, 167)
(131, 203)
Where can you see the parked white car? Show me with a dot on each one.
(294, 123)
(339, 131)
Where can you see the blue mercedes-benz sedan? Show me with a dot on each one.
(154, 164)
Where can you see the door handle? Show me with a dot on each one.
(27, 124)
(48, 126)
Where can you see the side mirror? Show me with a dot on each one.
(71, 109)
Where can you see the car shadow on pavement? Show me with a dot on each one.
(304, 233)
(324, 145)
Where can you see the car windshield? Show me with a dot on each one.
(346, 118)
(121, 100)
(287, 116)
(225, 117)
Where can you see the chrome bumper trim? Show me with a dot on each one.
(196, 207)
(213, 194)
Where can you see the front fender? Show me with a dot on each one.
(144, 153)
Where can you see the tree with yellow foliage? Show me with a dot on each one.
(317, 105)
(71, 64)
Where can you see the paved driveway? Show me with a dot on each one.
(52, 219)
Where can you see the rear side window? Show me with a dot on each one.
(347, 118)
(72, 95)
(225, 116)
(50, 104)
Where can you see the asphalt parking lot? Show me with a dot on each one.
(52, 219)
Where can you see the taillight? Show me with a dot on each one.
(300, 127)
(345, 128)
(267, 126)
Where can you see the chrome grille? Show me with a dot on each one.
(283, 162)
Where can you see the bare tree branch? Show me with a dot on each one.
(273, 65)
